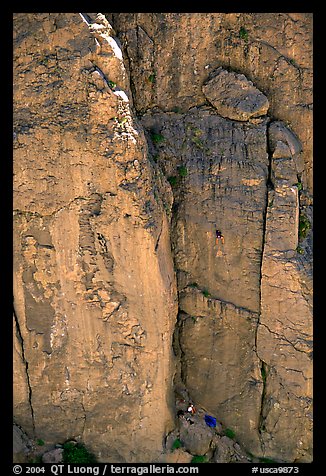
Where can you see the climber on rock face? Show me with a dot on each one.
(219, 236)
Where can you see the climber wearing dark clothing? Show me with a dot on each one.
(219, 236)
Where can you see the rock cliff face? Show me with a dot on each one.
(95, 289)
(132, 146)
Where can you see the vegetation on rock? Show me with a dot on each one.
(77, 453)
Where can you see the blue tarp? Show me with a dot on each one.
(210, 421)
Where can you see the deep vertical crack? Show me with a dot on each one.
(128, 63)
(86, 18)
(25, 362)
(261, 421)
(269, 187)
(263, 367)
(159, 235)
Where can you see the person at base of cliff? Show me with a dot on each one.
(191, 409)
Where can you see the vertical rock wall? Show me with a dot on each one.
(284, 340)
(225, 187)
(95, 295)
(226, 100)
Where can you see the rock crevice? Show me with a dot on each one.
(25, 363)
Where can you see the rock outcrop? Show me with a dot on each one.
(135, 140)
(95, 294)
(22, 445)
(284, 338)
(172, 55)
(237, 169)
(234, 97)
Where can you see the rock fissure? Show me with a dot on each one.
(282, 337)
(213, 299)
(84, 416)
(103, 76)
(261, 420)
(182, 355)
(128, 66)
(25, 362)
(86, 18)
(159, 236)
(263, 367)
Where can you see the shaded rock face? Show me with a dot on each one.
(225, 188)
(247, 177)
(284, 337)
(95, 295)
(226, 166)
(53, 456)
(107, 317)
(21, 445)
(228, 451)
(234, 97)
(239, 300)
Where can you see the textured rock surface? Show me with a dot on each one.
(234, 96)
(53, 456)
(253, 284)
(177, 456)
(225, 187)
(228, 451)
(94, 283)
(273, 50)
(284, 339)
(219, 364)
(96, 299)
(196, 438)
(22, 445)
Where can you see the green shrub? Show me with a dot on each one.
(77, 453)
(157, 138)
(199, 459)
(300, 250)
(176, 444)
(198, 142)
(112, 84)
(299, 185)
(196, 136)
(229, 433)
(243, 34)
(36, 460)
(206, 293)
(182, 171)
(304, 226)
(152, 78)
(173, 180)
(40, 442)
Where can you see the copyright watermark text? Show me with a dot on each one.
(104, 469)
